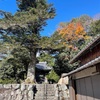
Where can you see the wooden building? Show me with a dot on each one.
(42, 69)
(84, 82)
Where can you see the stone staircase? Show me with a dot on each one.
(45, 92)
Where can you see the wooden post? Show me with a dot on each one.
(72, 89)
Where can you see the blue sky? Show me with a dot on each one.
(65, 11)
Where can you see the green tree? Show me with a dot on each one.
(48, 58)
(72, 44)
(52, 76)
(25, 26)
(62, 64)
(15, 65)
(95, 28)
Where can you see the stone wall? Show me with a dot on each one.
(62, 92)
(16, 92)
(29, 91)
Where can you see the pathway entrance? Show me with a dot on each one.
(45, 92)
(51, 92)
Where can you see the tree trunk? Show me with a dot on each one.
(31, 68)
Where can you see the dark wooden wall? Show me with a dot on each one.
(88, 88)
(92, 54)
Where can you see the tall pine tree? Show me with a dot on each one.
(24, 27)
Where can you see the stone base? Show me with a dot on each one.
(29, 81)
(33, 92)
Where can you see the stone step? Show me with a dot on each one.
(44, 96)
(52, 98)
(39, 95)
(50, 91)
(46, 99)
(45, 92)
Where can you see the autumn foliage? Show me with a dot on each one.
(72, 31)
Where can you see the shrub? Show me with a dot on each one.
(53, 76)
(7, 81)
